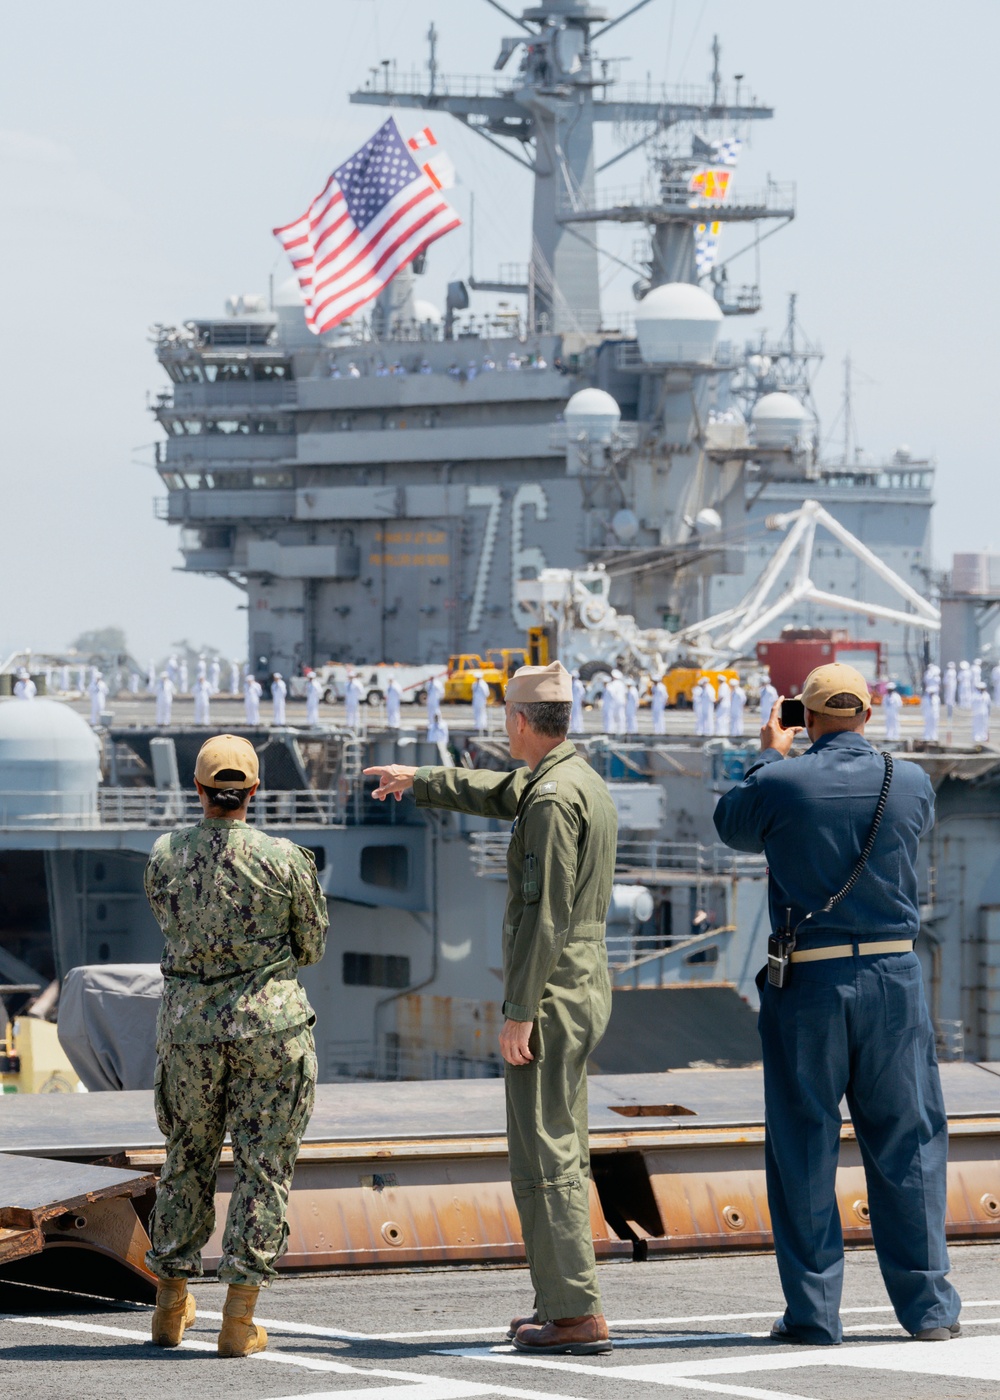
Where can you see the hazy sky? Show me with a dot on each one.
(146, 151)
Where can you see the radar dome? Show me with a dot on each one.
(49, 764)
(707, 521)
(778, 421)
(426, 311)
(593, 412)
(625, 524)
(677, 324)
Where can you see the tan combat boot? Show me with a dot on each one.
(174, 1311)
(240, 1335)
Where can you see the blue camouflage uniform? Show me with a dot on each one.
(855, 1026)
(240, 912)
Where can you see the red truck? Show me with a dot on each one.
(799, 650)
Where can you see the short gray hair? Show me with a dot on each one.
(546, 717)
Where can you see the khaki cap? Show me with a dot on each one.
(834, 679)
(531, 685)
(227, 754)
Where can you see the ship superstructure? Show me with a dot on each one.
(379, 492)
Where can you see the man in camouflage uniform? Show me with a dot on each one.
(560, 866)
(240, 912)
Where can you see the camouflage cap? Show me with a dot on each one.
(226, 753)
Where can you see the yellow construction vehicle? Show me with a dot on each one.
(32, 1061)
(681, 681)
(497, 668)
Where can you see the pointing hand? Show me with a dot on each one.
(393, 779)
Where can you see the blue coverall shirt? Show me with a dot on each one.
(853, 1027)
(811, 816)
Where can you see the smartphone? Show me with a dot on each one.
(792, 715)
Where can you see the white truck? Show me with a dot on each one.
(412, 681)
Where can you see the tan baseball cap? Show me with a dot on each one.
(830, 680)
(227, 754)
(530, 685)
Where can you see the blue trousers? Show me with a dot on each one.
(855, 1027)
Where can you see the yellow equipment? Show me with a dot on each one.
(681, 681)
(33, 1062)
(496, 669)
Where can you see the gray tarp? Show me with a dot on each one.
(107, 1023)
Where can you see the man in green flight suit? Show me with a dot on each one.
(560, 866)
(240, 912)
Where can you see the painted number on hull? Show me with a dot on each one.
(524, 559)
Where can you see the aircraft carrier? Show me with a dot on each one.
(400, 489)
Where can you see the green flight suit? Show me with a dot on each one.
(560, 868)
(240, 912)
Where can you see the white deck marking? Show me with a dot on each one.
(446, 1332)
(412, 1381)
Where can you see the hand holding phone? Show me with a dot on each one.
(792, 715)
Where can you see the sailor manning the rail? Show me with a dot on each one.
(560, 865)
(842, 1011)
(240, 911)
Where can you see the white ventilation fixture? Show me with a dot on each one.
(779, 421)
(677, 324)
(593, 413)
(426, 311)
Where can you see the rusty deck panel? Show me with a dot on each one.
(416, 1173)
(75, 1225)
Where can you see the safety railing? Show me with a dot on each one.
(635, 857)
(158, 807)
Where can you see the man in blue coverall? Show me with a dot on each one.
(851, 1019)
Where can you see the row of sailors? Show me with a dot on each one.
(957, 686)
(475, 367)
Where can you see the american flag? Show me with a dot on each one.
(376, 213)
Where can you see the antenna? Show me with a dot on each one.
(716, 74)
(432, 38)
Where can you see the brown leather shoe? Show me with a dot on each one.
(517, 1322)
(566, 1336)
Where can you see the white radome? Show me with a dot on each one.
(424, 311)
(778, 420)
(677, 323)
(593, 412)
(49, 762)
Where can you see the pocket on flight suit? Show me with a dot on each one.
(903, 994)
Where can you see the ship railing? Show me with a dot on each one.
(388, 83)
(685, 95)
(628, 358)
(359, 1059)
(637, 859)
(159, 807)
(775, 199)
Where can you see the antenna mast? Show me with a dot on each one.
(432, 38)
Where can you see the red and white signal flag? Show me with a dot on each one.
(376, 213)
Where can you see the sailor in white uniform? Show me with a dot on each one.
(981, 706)
(608, 707)
(252, 691)
(708, 704)
(393, 700)
(738, 704)
(437, 730)
(576, 713)
(723, 709)
(619, 696)
(314, 694)
(964, 696)
(949, 688)
(353, 693)
(977, 673)
(214, 675)
(278, 692)
(698, 706)
(892, 703)
(768, 700)
(202, 696)
(995, 682)
(480, 699)
(24, 686)
(930, 706)
(659, 707)
(182, 672)
(435, 692)
(632, 708)
(98, 697)
(164, 698)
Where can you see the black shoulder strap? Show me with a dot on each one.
(858, 870)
